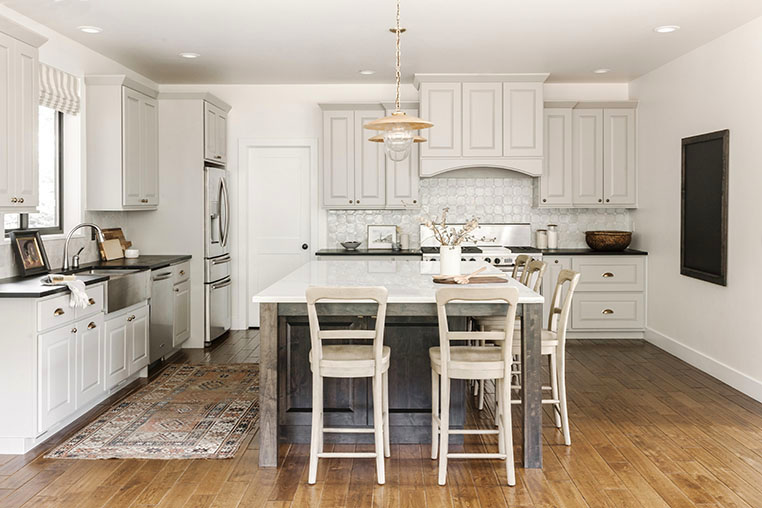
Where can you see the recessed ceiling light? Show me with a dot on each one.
(189, 55)
(367, 72)
(601, 71)
(666, 29)
(90, 29)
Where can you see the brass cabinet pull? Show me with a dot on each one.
(544, 200)
(218, 156)
(415, 201)
(350, 201)
(607, 311)
(131, 318)
(607, 275)
(91, 301)
(556, 261)
(59, 312)
(182, 272)
(91, 325)
(14, 200)
(600, 201)
(21, 200)
(177, 290)
(74, 330)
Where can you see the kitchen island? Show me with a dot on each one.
(411, 328)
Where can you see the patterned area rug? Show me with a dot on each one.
(187, 412)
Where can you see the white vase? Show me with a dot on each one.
(449, 260)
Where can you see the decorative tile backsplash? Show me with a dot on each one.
(492, 200)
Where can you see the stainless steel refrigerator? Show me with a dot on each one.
(217, 284)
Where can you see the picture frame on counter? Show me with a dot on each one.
(381, 236)
(30, 252)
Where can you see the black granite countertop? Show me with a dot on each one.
(367, 252)
(32, 287)
(591, 252)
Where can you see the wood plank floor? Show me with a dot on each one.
(647, 430)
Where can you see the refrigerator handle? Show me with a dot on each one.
(226, 205)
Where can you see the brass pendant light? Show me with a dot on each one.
(398, 129)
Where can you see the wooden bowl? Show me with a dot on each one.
(608, 240)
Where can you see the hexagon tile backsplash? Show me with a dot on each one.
(492, 200)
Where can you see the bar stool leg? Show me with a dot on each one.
(316, 434)
(554, 390)
(387, 445)
(498, 417)
(562, 399)
(378, 425)
(507, 430)
(434, 413)
(444, 430)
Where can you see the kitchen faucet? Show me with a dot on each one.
(98, 231)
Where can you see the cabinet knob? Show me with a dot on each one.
(144, 200)
(305, 246)
(91, 325)
(182, 272)
(350, 201)
(131, 318)
(21, 200)
(177, 290)
(607, 275)
(544, 200)
(74, 330)
(91, 301)
(600, 201)
(607, 200)
(218, 156)
(15, 200)
(415, 201)
(607, 311)
(358, 201)
(59, 312)
(556, 261)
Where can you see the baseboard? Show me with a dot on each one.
(738, 380)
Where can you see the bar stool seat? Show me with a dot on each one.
(488, 362)
(351, 360)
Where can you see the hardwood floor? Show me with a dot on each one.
(647, 430)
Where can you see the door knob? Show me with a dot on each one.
(305, 246)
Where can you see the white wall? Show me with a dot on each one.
(714, 87)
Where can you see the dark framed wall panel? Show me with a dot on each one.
(704, 207)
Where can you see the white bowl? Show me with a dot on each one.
(131, 253)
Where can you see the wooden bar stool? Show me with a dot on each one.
(472, 362)
(519, 264)
(349, 361)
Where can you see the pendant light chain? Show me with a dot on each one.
(397, 66)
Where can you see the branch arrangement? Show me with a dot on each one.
(448, 235)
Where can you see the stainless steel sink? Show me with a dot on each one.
(126, 287)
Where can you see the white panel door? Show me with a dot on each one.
(27, 116)
(131, 141)
(7, 114)
(402, 178)
(522, 119)
(182, 319)
(441, 104)
(56, 376)
(137, 335)
(117, 341)
(556, 180)
(587, 156)
(482, 119)
(279, 215)
(210, 132)
(338, 158)
(90, 342)
(222, 137)
(370, 172)
(619, 168)
(149, 151)
(555, 265)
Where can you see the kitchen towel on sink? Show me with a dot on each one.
(78, 297)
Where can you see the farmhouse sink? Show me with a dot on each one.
(125, 287)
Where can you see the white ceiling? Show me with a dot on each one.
(329, 41)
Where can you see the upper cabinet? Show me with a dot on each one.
(122, 144)
(19, 101)
(215, 134)
(356, 171)
(490, 120)
(590, 155)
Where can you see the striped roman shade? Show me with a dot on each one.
(59, 90)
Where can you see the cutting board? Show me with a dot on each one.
(476, 279)
(112, 249)
(116, 234)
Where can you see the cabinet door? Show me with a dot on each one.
(338, 158)
(210, 132)
(556, 180)
(56, 376)
(370, 159)
(441, 104)
(89, 382)
(181, 322)
(117, 339)
(619, 178)
(27, 98)
(402, 178)
(555, 265)
(7, 115)
(222, 137)
(131, 143)
(137, 334)
(587, 156)
(522, 119)
(482, 119)
(149, 152)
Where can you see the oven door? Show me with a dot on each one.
(219, 296)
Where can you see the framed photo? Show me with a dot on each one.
(381, 237)
(30, 252)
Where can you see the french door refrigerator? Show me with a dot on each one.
(217, 284)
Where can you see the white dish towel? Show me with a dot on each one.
(78, 297)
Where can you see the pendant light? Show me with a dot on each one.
(398, 129)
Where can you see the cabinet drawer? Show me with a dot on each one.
(53, 312)
(609, 273)
(181, 272)
(95, 302)
(608, 311)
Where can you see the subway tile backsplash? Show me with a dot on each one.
(506, 199)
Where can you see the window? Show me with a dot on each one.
(50, 217)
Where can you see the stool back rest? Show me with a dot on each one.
(558, 317)
(534, 268)
(505, 295)
(354, 294)
(519, 264)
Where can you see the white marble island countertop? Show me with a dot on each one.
(408, 280)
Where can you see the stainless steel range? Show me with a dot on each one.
(503, 242)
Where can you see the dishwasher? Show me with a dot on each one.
(162, 314)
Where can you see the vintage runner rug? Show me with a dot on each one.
(187, 412)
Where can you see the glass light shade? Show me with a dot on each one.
(398, 142)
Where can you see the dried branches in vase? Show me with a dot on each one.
(449, 235)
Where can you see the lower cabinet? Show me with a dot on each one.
(126, 344)
(181, 321)
(56, 376)
(90, 379)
